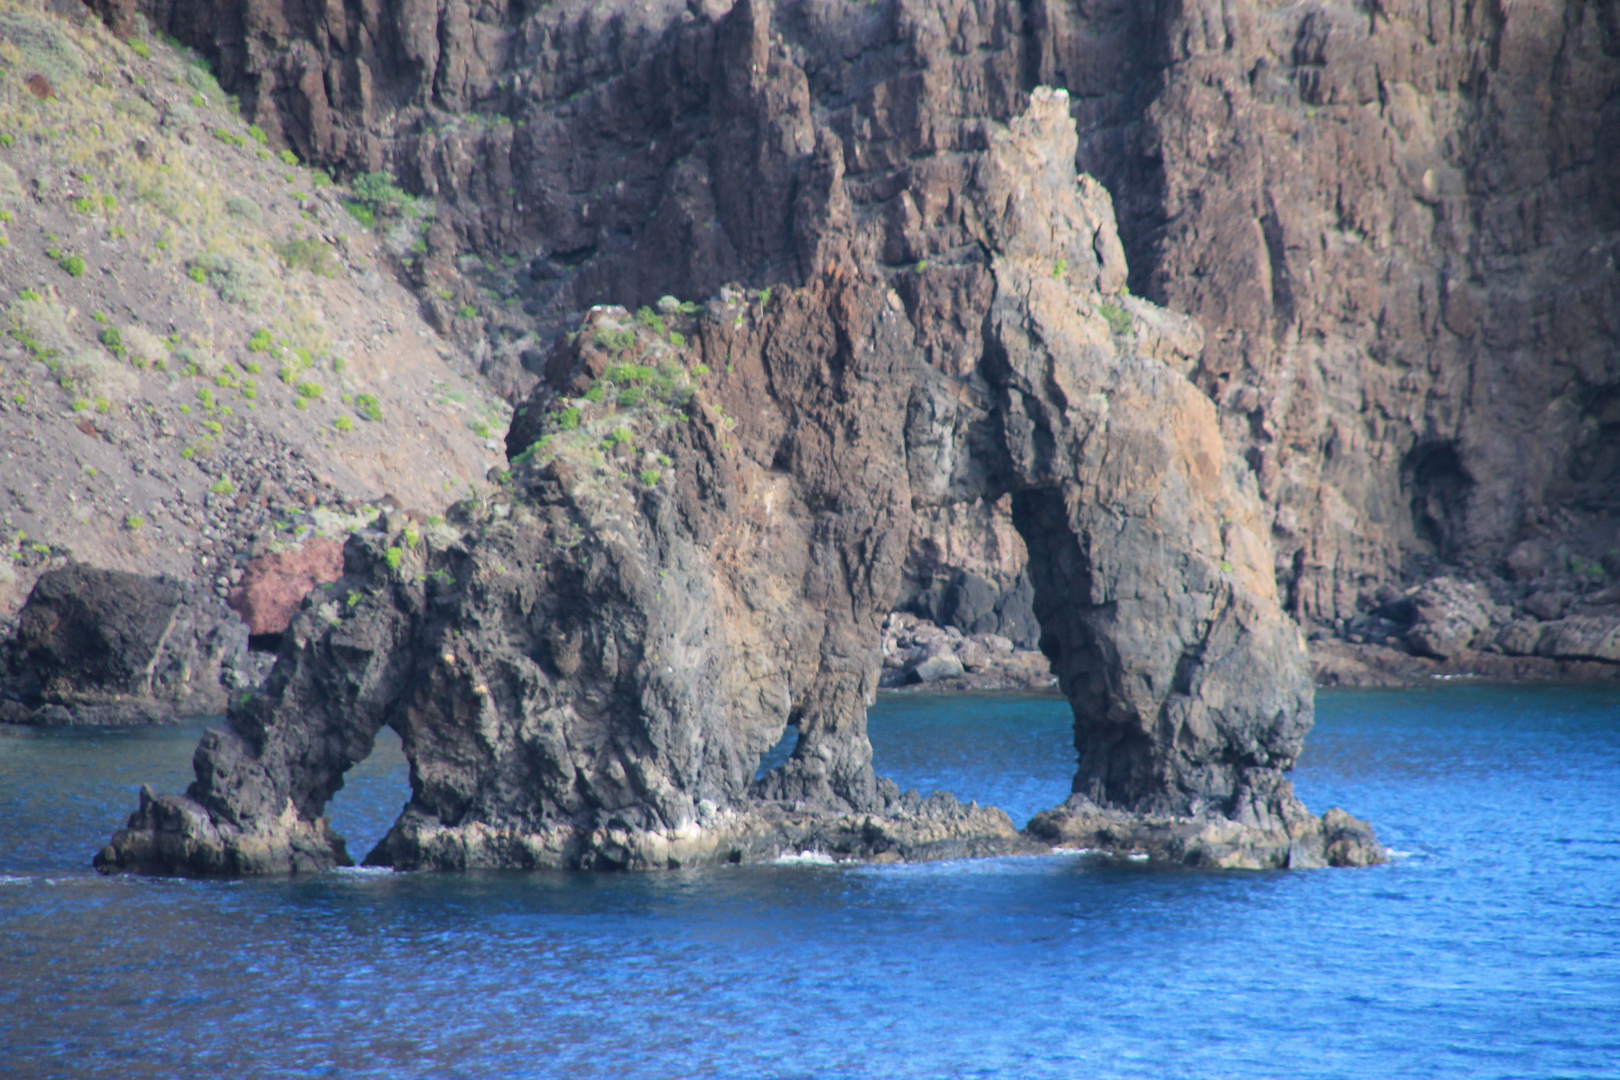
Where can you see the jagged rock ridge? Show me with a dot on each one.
(711, 510)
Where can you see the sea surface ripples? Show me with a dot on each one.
(1492, 948)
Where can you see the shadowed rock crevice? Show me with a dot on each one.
(706, 524)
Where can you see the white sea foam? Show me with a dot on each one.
(8, 879)
(805, 858)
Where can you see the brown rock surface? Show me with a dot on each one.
(273, 586)
(1397, 228)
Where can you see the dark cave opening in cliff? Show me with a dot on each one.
(373, 793)
(268, 643)
(1439, 485)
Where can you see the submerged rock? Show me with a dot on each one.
(707, 522)
(1284, 837)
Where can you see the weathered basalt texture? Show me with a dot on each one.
(274, 585)
(709, 520)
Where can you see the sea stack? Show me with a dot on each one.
(704, 527)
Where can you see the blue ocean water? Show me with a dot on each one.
(1490, 949)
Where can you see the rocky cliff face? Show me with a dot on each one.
(1396, 225)
(709, 517)
(1399, 224)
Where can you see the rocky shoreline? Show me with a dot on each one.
(1546, 627)
(920, 655)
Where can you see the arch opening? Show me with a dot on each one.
(375, 790)
(778, 755)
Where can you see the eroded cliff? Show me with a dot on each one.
(1396, 225)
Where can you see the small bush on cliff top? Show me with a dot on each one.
(629, 374)
(614, 341)
(378, 190)
(645, 316)
(114, 341)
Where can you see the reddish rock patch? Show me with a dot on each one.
(273, 586)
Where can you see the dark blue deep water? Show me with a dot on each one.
(1490, 949)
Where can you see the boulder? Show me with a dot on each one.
(109, 647)
(1521, 637)
(940, 665)
(1528, 559)
(1581, 637)
(1548, 605)
(1448, 614)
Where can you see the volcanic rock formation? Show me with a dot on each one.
(709, 517)
(1397, 223)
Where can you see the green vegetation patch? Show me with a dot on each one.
(310, 256)
(237, 281)
(1119, 321)
(44, 46)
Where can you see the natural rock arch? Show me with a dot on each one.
(588, 674)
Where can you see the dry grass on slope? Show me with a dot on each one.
(200, 347)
